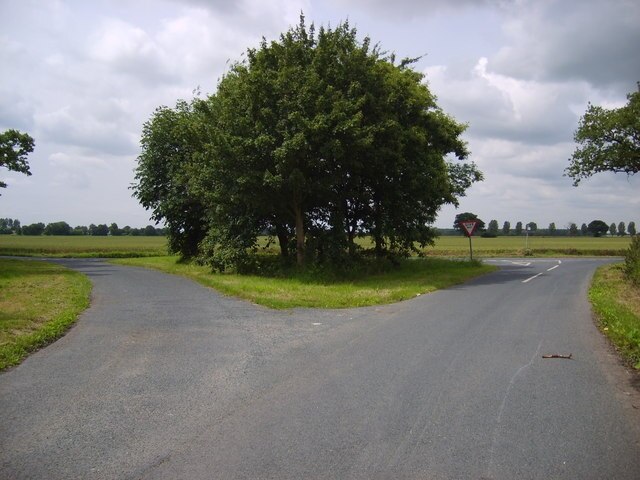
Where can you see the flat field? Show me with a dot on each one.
(125, 246)
(536, 246)
(82, 246)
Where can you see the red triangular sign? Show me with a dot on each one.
(469, 226)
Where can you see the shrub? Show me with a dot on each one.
(632, 261)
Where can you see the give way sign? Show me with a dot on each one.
(469, 226)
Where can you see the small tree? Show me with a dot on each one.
(506, 228)
(552, 229)
(492, 231)
(632, 228)
(532, 227)
(33, 229)
(613, 230)
(518, 228)
(622, 229)
(584, 229)
(466, 217)
(114, 231)
(57, 228)
(14, 149)
(573, 229)
(598, 228)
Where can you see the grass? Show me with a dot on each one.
(310, 289)
(617, 306)
(38, 302)
(82, 246)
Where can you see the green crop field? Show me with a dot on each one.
(82, 246)
(536, 246)
(126, 246)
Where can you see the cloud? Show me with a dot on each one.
(411, 8)
(560, 40)
(80, 127)
(498, 106)
(127, 49)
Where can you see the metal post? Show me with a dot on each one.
(470, 249)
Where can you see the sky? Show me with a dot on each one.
(82, 78)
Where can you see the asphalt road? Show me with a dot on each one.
(164, 379)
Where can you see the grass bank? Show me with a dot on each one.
(315, 289)
(82, 246)
(38, 302)
(617, 306)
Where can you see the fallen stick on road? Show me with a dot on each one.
(556, 355)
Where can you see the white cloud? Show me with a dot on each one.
(575, 40)
(498, 106)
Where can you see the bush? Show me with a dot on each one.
(632, 261)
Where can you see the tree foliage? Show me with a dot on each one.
(518, 229)
(58, 228)
(171, 141)
(631, 228)
(608, 139)
(598, 228)
(622, 229)
(14, 149)
(315, 138)
(466, 217)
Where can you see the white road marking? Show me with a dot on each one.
(523, 264)
(316, 324)
(531, 278)
(552, 268)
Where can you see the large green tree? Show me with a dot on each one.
(608, 139)
(315, 138)
(171, 141)
(14, 149)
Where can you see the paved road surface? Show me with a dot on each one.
(164, 379)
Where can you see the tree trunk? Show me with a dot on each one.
(377, 231)
(283, 239)
(299, 235)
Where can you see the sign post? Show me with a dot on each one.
(469, 227)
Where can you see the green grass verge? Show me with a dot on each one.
(617, 306)
(82, 246)
(310, 289)
(38, 302)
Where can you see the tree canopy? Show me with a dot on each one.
(14, 149)
(598, 228)
(316, 139)
(608, 139)
(465, 217)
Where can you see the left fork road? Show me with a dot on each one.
(128, 382)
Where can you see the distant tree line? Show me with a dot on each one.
(596, 228)
(10, 226)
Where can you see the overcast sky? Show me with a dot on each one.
(82, 77)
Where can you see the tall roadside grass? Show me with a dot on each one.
(616, 302)
(371, 285)
(38, 302)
